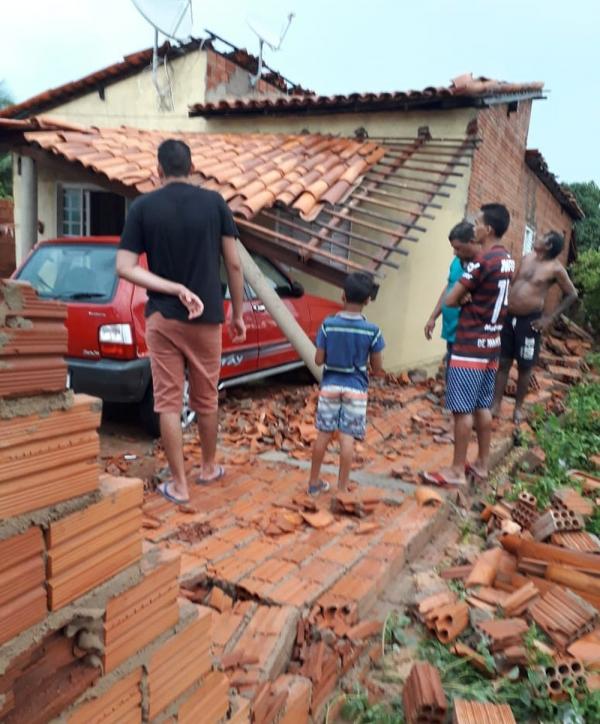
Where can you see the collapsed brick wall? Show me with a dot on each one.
(500, 173)
(7, 238)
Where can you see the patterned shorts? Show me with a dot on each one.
(470, 384)
(343, 409)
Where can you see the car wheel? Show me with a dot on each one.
(149, 419)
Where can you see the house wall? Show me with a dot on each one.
(134, 101)
(501, 174)
(407, 295)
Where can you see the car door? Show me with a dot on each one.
(238, 359)
(274, 348)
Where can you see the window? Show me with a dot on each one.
(75, 212)
(528, 240)
(90, 211)
(280, 283)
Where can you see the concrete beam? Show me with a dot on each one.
(26, 234)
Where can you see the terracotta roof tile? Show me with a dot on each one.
(462, 90)
(253, 171)
(537, 163)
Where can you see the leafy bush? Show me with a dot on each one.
(586, 274)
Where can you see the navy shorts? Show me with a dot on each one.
(470, 384)
(520, 341)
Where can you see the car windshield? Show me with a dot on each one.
(72, 271)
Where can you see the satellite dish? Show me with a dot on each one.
(173, 19)
(265, 35)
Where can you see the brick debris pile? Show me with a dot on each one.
(543, 568)
(92, 627)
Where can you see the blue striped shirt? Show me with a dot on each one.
(348, 339)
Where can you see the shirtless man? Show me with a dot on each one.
(525, 322)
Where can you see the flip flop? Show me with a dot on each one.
(163, 489)
(218, 476)
(322, 487)
(440, 480)
(476, 476)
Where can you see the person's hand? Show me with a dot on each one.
(429, 327)
(542, 324)
(237, 327)
(467, 299)
(191, 302)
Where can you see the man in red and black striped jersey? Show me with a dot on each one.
(474, 360)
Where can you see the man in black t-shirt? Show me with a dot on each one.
(184, 230)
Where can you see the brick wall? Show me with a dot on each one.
(7, 238)
(220, 71)
(500, 173)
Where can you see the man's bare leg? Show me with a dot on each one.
(318, 453)
(207, 429)
(346, 455)
(501, 380)
(483, 428)
(463, 427)
(172, 440)
(522, 388)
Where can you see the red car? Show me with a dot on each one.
(108, 357)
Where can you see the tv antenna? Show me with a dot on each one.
(173, 19)
(265, 35)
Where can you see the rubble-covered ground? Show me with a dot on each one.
(324, 606)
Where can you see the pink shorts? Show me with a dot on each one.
(173, 345)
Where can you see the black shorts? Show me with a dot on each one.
(520, 341)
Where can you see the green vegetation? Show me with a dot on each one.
(586, 275)
(587, 231)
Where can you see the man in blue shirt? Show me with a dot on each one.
(346, 344)
(462, 240)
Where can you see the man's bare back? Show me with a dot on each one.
(532, 281)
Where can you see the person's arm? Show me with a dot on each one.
(235, 280)
(376, 363)
(320, 344)
(458, 295)
(437, 310)
(569, 297)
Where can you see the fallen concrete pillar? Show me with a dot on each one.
(27, 234)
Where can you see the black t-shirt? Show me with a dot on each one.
(179, 227)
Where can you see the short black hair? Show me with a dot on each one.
(496, 216)
(359, 287)
(555, 243)
(464, 231)
(175, 157)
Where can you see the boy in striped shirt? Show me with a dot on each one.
(346, 344)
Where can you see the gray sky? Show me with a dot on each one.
(340, 46)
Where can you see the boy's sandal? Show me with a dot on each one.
(205, 481)
(321, 487)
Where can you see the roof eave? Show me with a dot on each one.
(443, 102)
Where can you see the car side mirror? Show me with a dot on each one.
(297, 289)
